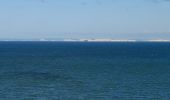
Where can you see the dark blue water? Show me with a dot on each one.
(84, 71)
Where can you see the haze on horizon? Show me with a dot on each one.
(117, 19)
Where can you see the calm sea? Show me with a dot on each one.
(84, 71)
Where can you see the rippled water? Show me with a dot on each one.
(84, 71)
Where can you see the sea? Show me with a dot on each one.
(84, 70)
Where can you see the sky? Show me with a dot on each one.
(117, 19)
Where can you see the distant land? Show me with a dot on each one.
(90, 40)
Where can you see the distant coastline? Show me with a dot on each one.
(84, 40)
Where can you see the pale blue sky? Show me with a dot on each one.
(118, 19)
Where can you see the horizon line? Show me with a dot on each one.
(84, 41)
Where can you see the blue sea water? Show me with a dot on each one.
(84, 71)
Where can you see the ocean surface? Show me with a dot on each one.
(84, 71)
